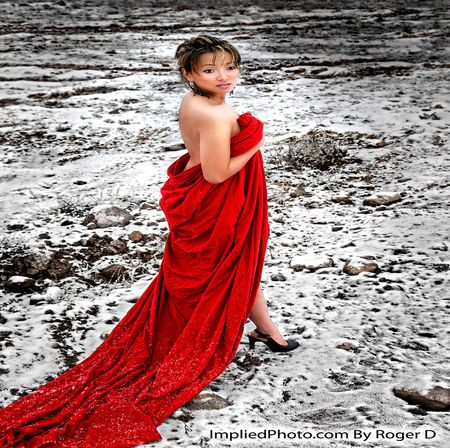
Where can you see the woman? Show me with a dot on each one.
(187, 326)
(210, 67)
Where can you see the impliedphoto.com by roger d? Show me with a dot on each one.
(356, 434)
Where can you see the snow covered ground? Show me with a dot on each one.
(89, 99)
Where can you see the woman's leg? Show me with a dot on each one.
(260, 317)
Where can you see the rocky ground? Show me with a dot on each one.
(358, 257)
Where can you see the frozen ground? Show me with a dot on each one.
(89, 97)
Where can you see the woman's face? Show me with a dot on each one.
(215, 73)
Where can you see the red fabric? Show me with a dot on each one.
(182, 332)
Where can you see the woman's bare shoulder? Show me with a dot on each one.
(197, 109)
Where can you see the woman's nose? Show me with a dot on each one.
(222, 74)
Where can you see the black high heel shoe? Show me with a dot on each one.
(271, 343)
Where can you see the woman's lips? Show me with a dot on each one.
(224, 85)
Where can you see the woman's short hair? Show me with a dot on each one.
(188, 53)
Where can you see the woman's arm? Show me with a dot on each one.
(216, 162)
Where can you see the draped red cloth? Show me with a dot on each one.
(182, 332)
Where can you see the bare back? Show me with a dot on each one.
(189, 128)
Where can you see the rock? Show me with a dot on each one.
(382, 198)
(30, 265)
(308, 333)
(36, 301)
(355, 266)
(316, 71)
(342, 381)
(99, 246)
(310, 262)
(348, 346)
(18, 226)
(115, 247)
(207, 401)
(437, 399)
(427, 334)
(343, 200)
(278, 218)
(417, 411)
(113, 273)
(176, 147)
(278, 277)
(144, 255)
(438, 140)
(19, 283)
(186, 417)
(415, 345)
(378, 144)
(5, 334)
(299, 191)
(248, 362)
(440, 246)
(52, 295)
(108, 216)
(441, 267)
(91, 225)
(135, 236)
(59, 267)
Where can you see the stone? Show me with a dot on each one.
(19, 283)
(348, 346)
(437, 399)
(4, 335)
(115, 247)
(415, 345)
(176, 147)
(59, 267)
(355, 266)
(343, 200)
(100, 246)
(382, 198)
(207, 401)
(109, 216)
(135, 236)
(248, 362)
(113, 273)
(311, 262)
(18, 226)
(299, 191)
(30, 265)
(278, 218)
(342, 381)
(278, 277)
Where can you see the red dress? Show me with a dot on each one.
(182, 332)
